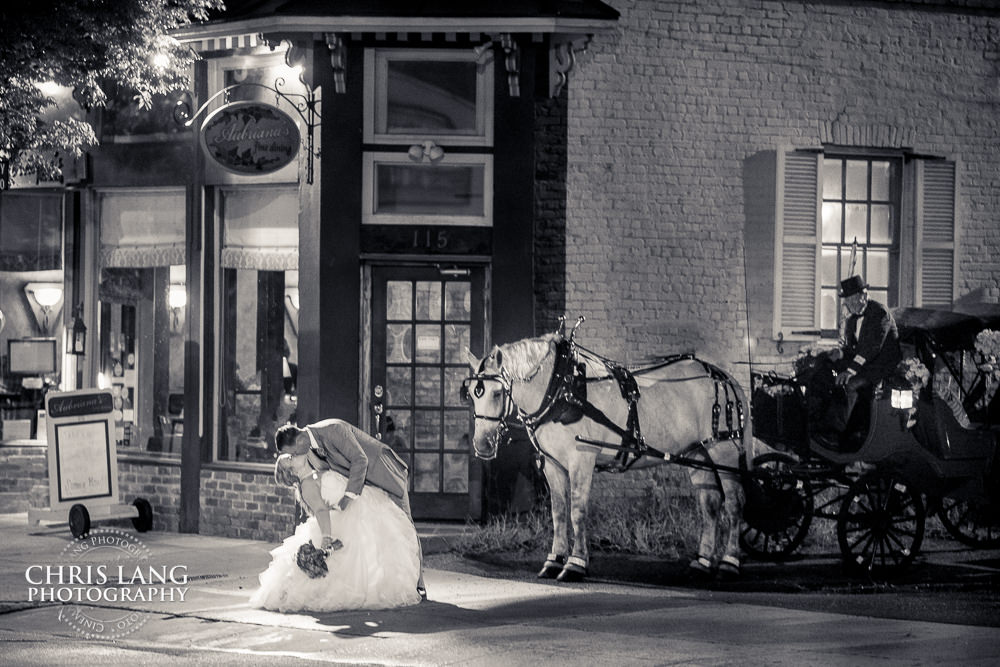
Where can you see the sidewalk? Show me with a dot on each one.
(470, 619)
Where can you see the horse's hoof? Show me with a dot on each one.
(549, 572)
(700, 567)
(571, 573)
(728, 571)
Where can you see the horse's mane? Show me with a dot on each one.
(522, 357)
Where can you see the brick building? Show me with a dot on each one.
(692, 180)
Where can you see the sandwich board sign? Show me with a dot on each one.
(82, 460)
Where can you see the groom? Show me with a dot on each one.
(333, 444)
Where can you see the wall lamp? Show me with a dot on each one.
(47, 297)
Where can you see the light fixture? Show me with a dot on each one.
(78, 334)
(47, 296)
(427, 149)
(901, 399)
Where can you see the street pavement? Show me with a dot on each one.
(472, 617)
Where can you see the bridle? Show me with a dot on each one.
(504, 380)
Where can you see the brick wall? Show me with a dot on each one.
(234, 503)
(669, 113)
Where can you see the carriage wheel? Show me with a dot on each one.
(975, 523)
(778, 509)
(880, 525)
(79, 520)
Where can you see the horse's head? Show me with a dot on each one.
(488, 391)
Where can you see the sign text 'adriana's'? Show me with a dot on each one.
(250, 138)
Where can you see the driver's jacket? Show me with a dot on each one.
(874, 352)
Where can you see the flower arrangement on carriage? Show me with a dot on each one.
(907, 381)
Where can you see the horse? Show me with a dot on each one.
(584, 412)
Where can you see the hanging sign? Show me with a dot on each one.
(250, 138)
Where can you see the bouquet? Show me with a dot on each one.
(312, 561)
(911, 374)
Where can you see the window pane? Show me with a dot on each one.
(456, 341)
(428, 301)
(397, 432)
(878, 268)
(456, 473)
(428, 386)
(428, 343)
(425, 190)
(427, 429)
(857, 179)
(829, 266)
(880, 224)
(828, 309)
(453, 378)
(456, 430)
(856, 224)
(880, 180)
(427, 95)
(398, 305)
(398, 389)
(397, 343)
(845, 262)
(831, 179)
(832, 214)
(259, 352)
(458, 300)
(426, 472)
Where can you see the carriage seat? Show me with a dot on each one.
(940, 433)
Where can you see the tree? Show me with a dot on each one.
(82, 45)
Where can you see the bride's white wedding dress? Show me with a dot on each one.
(377, 568)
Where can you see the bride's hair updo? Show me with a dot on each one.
(283, 473)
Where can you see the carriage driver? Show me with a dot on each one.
(869, 352)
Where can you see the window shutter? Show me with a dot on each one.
(797, 241)
(936, 233)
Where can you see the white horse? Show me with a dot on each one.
(673, 409)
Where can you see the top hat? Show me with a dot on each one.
(852, 286)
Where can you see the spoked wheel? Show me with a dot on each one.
(778, 509)
(880, 525)
(972, 522)
(79, 520)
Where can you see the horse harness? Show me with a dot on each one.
(565, 401)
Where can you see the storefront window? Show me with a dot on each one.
(31, 309)
(258, 322)
(141, 317)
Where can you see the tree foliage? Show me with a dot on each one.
(82, 45)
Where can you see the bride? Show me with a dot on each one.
(369, 550)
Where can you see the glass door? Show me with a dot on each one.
(423, 320)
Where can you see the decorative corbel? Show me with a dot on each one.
(513, 63)
(338, 57)
(562, 58)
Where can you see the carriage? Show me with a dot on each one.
(923, 443)
(911, 448)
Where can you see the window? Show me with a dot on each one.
(258, 321)
(860, 217)
(901, 211)
(414, 95)
(457, 190)
(420, 105)
(143, 306)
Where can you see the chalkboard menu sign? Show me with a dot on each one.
(82, 458)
